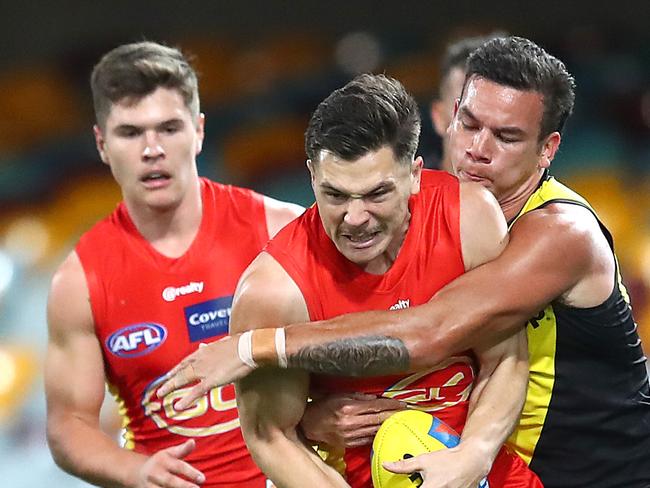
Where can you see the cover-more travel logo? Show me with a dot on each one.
(170, 293)
(136, 340)
(208, 319)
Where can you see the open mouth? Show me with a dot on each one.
(361, 241)
(155, 178)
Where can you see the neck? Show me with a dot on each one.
(170, 231)
(512, 204)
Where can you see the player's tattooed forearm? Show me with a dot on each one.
(358, 356)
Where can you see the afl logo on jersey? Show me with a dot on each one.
(136, 340)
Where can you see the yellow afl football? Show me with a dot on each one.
(407, 434)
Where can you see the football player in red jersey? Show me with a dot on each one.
(147, 285)
(384, 234)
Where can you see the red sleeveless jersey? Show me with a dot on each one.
(430, 258)
(331, 285)
(151, 311)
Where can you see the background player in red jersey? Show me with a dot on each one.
(382, 235)
(148, 284)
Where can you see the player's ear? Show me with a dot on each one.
(200, 132)
(416, 174)
(100, 143)
(549, 148)
(311, 168)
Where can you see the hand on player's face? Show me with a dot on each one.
(347, 420)
(166, 469)
(212, 365)
(447, 468)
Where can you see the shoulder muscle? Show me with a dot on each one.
(574, 248)
(483, 229)
(266, 296)
(68, 305)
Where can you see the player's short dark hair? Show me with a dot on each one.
(132, 71)
(521, 64)
(370, 112)
(457, 52)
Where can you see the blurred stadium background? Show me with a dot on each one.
(264, 66)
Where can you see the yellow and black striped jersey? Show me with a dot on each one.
(586, 420)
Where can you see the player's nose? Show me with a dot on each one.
(153, 148)
(356, 213)
(480, 146)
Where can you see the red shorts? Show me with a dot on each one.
(510, 471)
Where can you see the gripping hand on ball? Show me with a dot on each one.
(447, 468)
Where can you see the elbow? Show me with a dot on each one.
(265, 441)
(434, 332)
(63, 442)
(424, 354)
(56, 441)
(430, 347)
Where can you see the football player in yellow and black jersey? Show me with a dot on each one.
(586, 420)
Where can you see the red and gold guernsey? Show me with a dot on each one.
(430, 257)
(151, 311)
(331, 285)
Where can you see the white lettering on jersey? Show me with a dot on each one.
(401, 304)
(210, 316)
(170, 293)
(131, 341)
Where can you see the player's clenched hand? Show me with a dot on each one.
(166, 469)
(347, 420)
(212, 365)
(447, 468)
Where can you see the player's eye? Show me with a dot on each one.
(467, 125)
(335, 196)
(507, 139)
(128, 132)
(378, 195)
(171, 128)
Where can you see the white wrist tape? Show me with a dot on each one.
(281, 347)
(245, 349)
